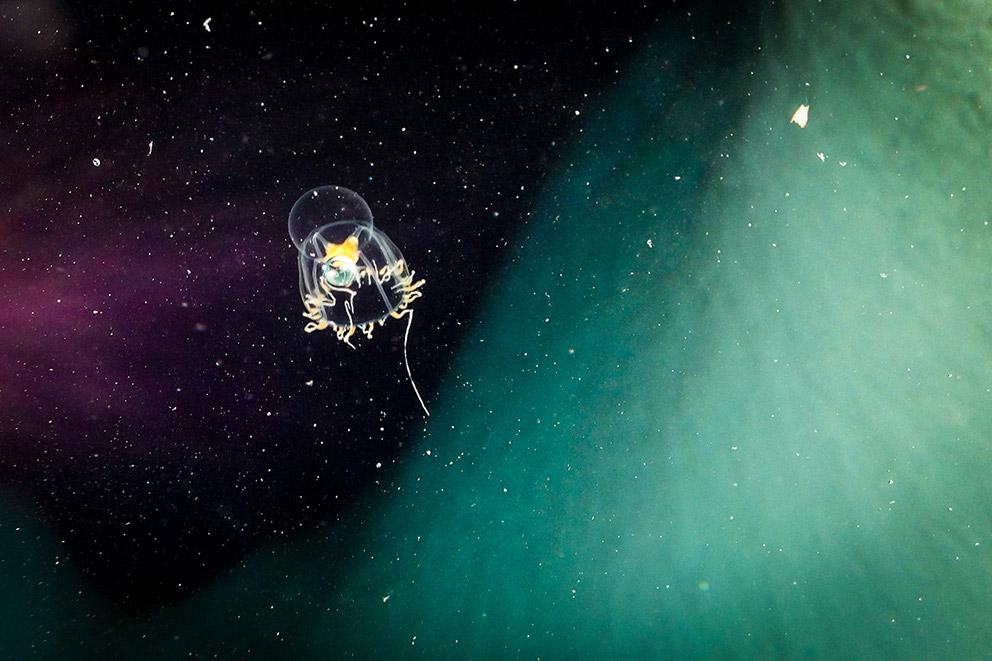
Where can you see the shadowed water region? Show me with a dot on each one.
(728, 398)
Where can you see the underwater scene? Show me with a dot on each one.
(501, 330)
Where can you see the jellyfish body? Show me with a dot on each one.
(352, 276)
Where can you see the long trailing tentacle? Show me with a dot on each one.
(406, 359)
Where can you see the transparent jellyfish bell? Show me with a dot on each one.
(355, 272)
(322, 206)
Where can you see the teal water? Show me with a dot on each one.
(727, 400)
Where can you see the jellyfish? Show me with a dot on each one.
(352, 276)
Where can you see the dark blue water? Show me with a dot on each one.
(727, 398)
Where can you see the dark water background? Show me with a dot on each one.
(703, 383)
